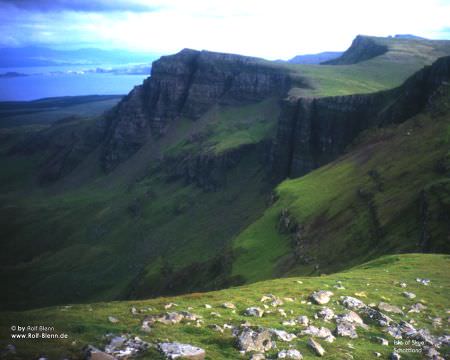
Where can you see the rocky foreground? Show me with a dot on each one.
(394, 308)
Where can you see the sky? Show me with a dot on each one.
(277, 29)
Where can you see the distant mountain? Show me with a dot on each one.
(42, 56)
(315, 58)
(408, 36)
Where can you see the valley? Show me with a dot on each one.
(235, 175)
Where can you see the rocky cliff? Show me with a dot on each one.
(186, 84)
(362, 48)
(315, 131)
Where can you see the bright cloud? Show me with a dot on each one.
(270, 29)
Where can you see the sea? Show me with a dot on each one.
(53, 81)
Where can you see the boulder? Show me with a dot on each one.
(417, 308)
(112, 319)
(425, 282)
(381, 341)
(316, 347)
(184, 351)
(258, 356)
(303, 320)
(346, 329)
(215, 327)
(254, 311)
(255, 340)
(290, 354)
(326, 314)
(409, 295)
(352, 303)
(322, 333)
(321, 297)
(283, 335)
(351, 317)
(229, 305)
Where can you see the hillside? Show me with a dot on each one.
(368, 74)
(391, 284)
(171, 190)
(387, 193)
(315, 58)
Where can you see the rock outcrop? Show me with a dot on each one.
(315, 131)
(362, 48)
(186, 85)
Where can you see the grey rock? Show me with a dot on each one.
(229, 305)
(323, 333)
(376, 316)
(92, 353)
(394, 356)
(254, 311)
(185, 351)
(431, 353)
(317, 348)
(350, 317)
(352, 303)
(283, 335)
(346, 329)
(425, 282)
(326, 314)
(290, 354)
(255, 340)
(169, 318)
(417, 308)
(123, 347)
(258, 356)
(321, 297)
(381, 341)
(10, 349)
(409, 295)
(216, 327)
(437, 322)
(112, 319)
(303, 320)
(290, 322)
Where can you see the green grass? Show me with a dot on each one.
(171, 220)
(228, 127)
(403, 58)
(379, 280)
(341, 226)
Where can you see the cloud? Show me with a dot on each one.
(270, 29)
(79, 5)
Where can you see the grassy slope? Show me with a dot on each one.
(403, 58)
(378, 280)
(133, 212)
(340, 228)
(45, 111)
(225, 128)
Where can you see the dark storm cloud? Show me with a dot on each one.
(79, 5)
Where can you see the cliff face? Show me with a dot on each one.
(209, 171)
(362, 48)
(186, 84)
(315, 131)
